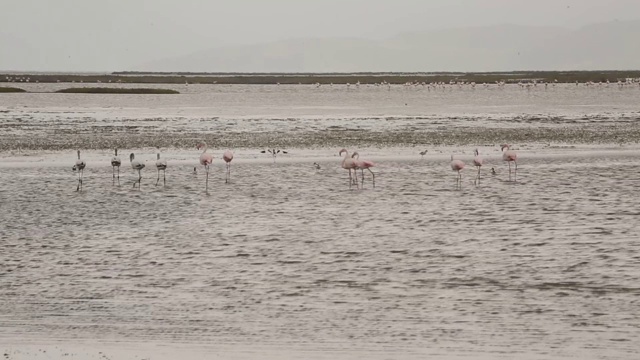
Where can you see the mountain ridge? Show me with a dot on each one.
(609, 45)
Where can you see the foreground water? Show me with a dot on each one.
(286, 257)
(287, 262)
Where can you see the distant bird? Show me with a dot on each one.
(161, 165)
(349, 164)
(477, 162)
(362, 165)
(510, 156)
(423, 153)
(273, 153)
(227, 157)
(493, 171)
(195, 171)
(80, 165)
(317, 166)
(115, 163)
(457, 165)
(205, 160)
(136, 165)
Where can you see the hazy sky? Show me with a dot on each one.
(106, 35)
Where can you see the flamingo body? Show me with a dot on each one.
(205, 160)
(161, 165)
(457, 165)
(477, 162)
(348, 163)
(227, 157)
(136, 165)
(510, 156)
(80, 165)
(364, 165)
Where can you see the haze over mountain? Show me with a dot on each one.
(611, 45)
(317, 35)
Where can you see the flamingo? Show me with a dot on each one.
(205, 160)
(349, 164)
(457, 165)
(477, 162)
(423, 153)
(80, 165)
(161, 165)
(509, 156)
(362, 165)
(136, 165)
(115, 163)
(227, 157)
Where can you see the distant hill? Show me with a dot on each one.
(611, 45)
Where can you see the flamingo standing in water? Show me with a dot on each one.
(136, 165)
(205, 160)
(80, 165)
(349, 164)
(227, 157)
(477, 162)
(510, 156)
(115, 163)
(457, 165)
(362, 165)
(161, 165)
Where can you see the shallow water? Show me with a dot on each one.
(254, 116)
(287, 261)
(286, 257)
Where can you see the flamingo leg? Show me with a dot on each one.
(477, 181)
(139, 178)
(164, 177)
(350, 179)
(362, 177)
(355, 174)
(78, 188)
(515, 175)
(509, 170)
(118, 175)
(374, 177)
(207, 182)
(157, 181)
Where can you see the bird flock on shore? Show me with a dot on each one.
(350, 162)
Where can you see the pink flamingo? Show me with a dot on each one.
(477, 162)
(227, 157)
(205, 160)
(457, 165)
(509, 156)
(349, 164)
(362, 165)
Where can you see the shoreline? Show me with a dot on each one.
(323, 78)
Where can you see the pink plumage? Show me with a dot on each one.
(363, 165)
(510, 156)
(457, 165)
(227, 157)
(205, 159)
